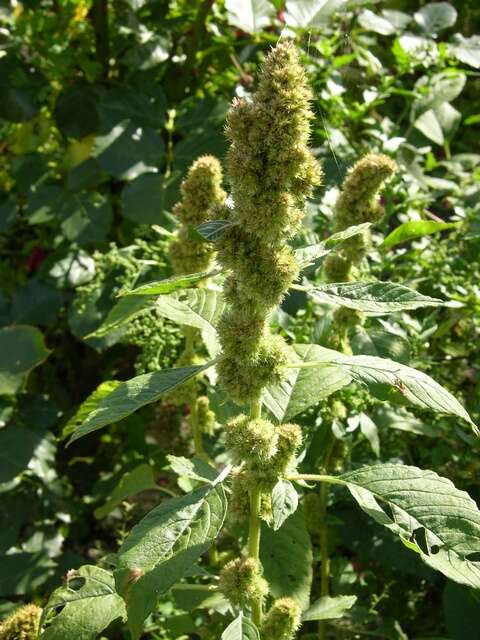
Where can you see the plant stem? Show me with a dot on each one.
(323, 534)
(254, 530)
(193, 418)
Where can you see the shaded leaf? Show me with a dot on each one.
(195, 468)
(327, 608)
(22, 348)
(139, 479)
(284, 502)
(241, 628)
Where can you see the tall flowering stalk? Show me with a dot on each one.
(201, 192)
(271, 171)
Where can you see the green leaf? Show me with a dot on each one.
(428, 124)
(370, 431)
(22, 348)
(416, 387)
(435, 17)
(431, 516)
(89, 604)
(17, 448)
(416, 229)
(8, 213)
(139, 479)
(164, 545)
(327, 608)
(130, 396)
(467, 50)
(302, 388)
(196, 469)
(309, 254)
(371, 22)
(286, 557)
(437, 89)
(86, 218)
(128, 151)
(122, 312)
(373, 298)
(241, 629)
(22, 573)
(213, 230)
(250, 16)
(169, 284)
(284, 502)
(123, 103)
(200, 308)
(378, 342)
(311, 14)
(143, 199)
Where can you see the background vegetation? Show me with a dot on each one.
(103, 107)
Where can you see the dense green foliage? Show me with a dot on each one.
(146, 413)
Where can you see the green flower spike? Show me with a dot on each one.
(282, 620)
(357, 203)
(271, 171)
(201, 192)
(22, 624)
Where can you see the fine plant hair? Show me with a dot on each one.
(256, 477)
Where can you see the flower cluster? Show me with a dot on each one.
(241, 581)
(201, 192)
(358, 203)
(271, 172)
(22, 624)
(282, 620)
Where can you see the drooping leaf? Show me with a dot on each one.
(88, 405)
(89, 604)
(213, 230)
(415, 386)
(249, 15)
(241, 628)
(169, 284)
(22, 348)
(327, 608)
(302, 388)
(416, 229)
(139, 479)
(373, 298)
(200, 308)
(436, 16)
(286, 557)
(431, 516)
(284, 502)
(164, 545)
(130, 396)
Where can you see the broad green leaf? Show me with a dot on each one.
(86, 218)
(88, 405)
(196, 469)
(143, 199)
(467, 50)
(139, 479)
(286, 557)
(89, 604)
(22, 572)
(461, 608)
(435, 17)
(381, 343)
(371, 22)
(241, 629)
(164, 545)
(22, 348)
(194, 596)
(284, 502)
(309, 254)
(169, 284)
(130, 396)
(311, 14)
(250, 16)
(17, 448)
(437, 89)
(373, 298)
(413, 385)
(370, 431)
(416, 229)
(213, 230)
(428, 124)
(302, 388)
(327, 608)
(200, 308)
(431, 516)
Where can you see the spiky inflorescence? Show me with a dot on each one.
(201, 192)
(241, 581)
(282, 620)
(22, 624)
(357, 203)
(271, 172)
